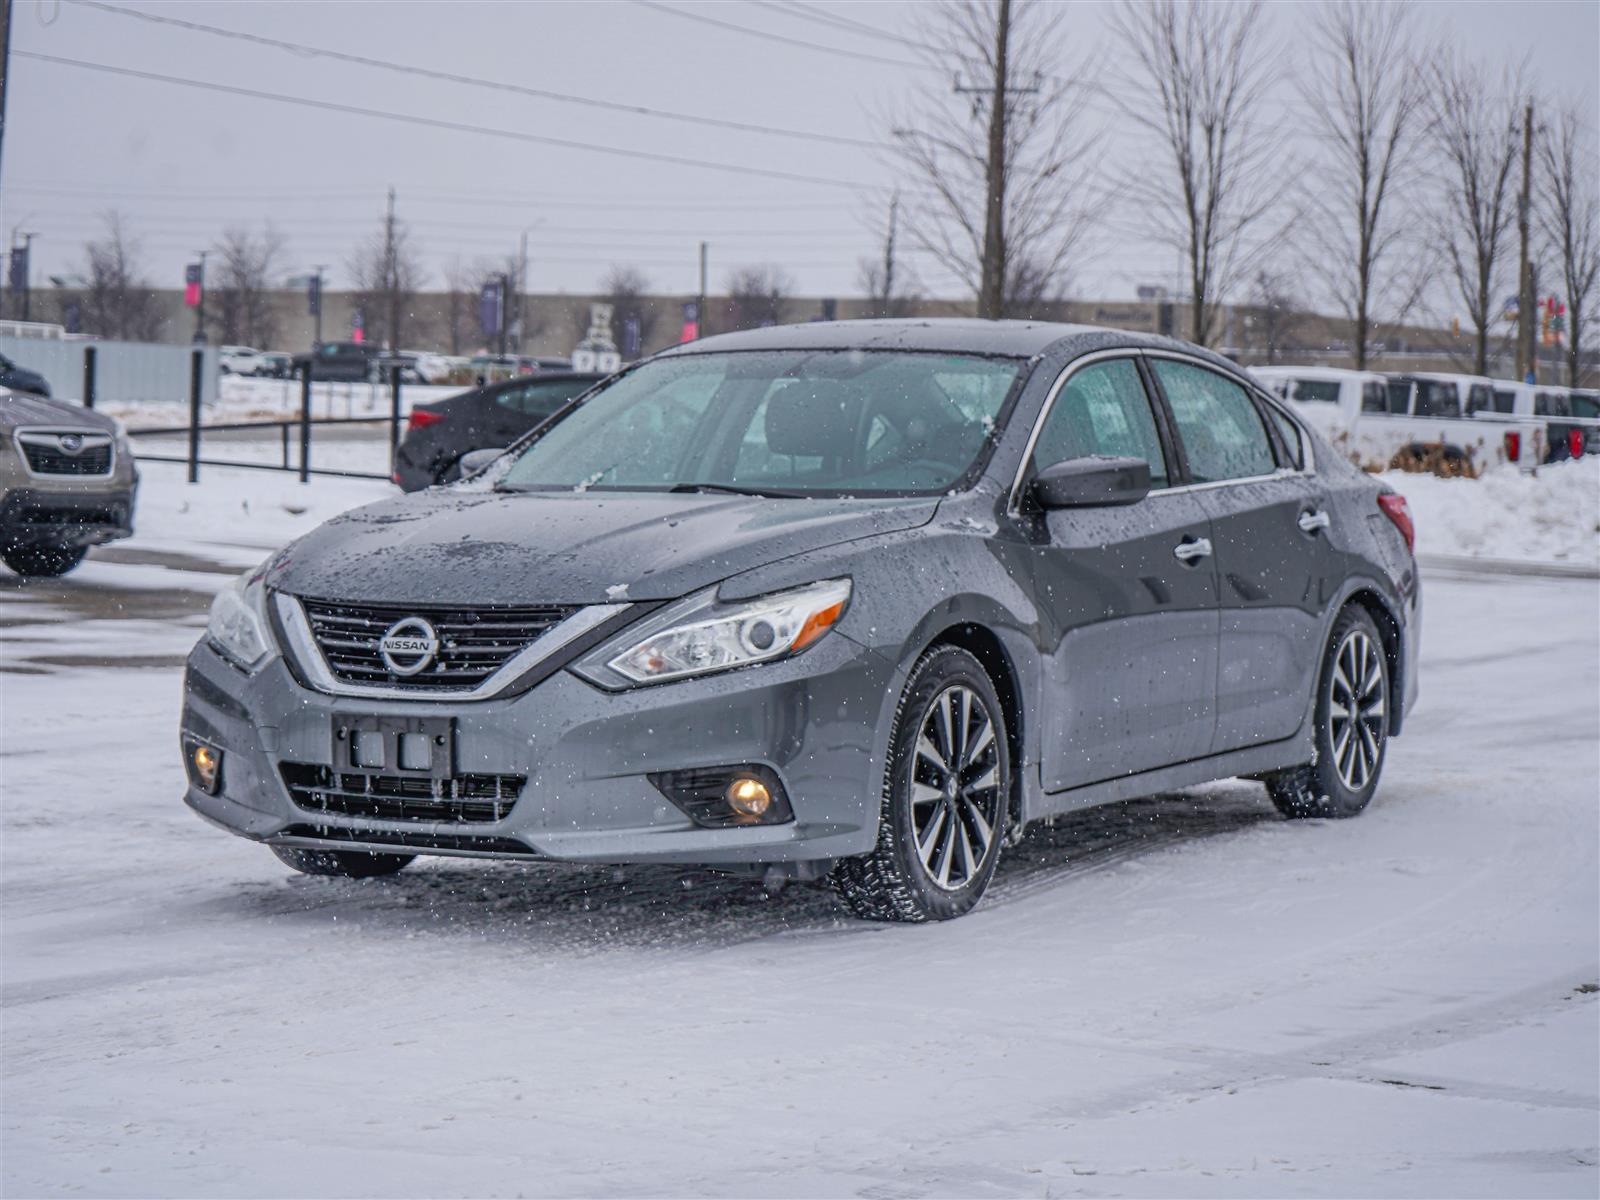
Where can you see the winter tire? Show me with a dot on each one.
(945, 798)
(43, 562)
(1352, 726)
(350, 864)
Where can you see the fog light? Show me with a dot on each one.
(207, 767)
(749, 797)
(726, 797)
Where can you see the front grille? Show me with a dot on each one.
(47, 459)
(508, 847)
(474, 642)
(463, 799)
(41, 514)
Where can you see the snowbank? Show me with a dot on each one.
(1550, 516)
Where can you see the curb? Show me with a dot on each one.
(1507, 566)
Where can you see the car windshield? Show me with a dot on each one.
(788, 422)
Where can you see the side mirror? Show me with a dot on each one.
(1093, 482)
(474, 461)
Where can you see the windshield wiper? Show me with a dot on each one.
(734, 489)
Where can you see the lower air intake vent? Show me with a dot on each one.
(463, 799)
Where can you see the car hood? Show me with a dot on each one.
(20, 408)
(482, 548)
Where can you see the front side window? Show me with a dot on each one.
(1480, 398)
(1399, 395)
(788, 422)
(1374, 397)
(1222, 433)
(1102, 409)
(1504, 401)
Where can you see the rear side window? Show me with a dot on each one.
(1399, 395)
(1290, 433)
(1102, 409)
(1550, 404)
(1374, 397)
(1222, 433)
(1323, 391)
(1504, 402)
(1437, 398)
(1480, 398)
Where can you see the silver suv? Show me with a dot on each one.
(67, 482)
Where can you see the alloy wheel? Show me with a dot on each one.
(1357, 711)
(956, 789)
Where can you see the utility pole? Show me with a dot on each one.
(316, 310)
(992, 281)
(888, 256)
(522, 285)
(505, 297)
(200, 308)
(20, 278)
(5, 62)
(1527, 323)
(700, 302)
(391, 274)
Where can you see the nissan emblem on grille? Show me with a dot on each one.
(409, 646)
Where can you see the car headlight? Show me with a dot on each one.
(701, 635)
(238, 623)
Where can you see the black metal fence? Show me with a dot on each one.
(300, 427)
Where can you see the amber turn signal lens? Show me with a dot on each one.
(749, 797)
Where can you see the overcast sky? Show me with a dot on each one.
(181, 164)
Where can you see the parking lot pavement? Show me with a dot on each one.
(1177, 995)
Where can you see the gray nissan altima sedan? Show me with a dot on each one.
(852, 600)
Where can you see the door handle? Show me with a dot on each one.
(1192, 551)
(1310, 522)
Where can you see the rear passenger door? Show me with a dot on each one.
(1127, 595)
(1276, 570)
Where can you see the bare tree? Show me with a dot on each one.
(118, 301)
(1275, 315)
(886, 280)
(1008, 202)
(387, 272)
(627, 290)
(1365, 89)
(1569, 220)
(240, 304)
(1199, 73)
(460, 301)
(1475, 123)
(757, 296)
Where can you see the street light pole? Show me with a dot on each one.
(200, 308)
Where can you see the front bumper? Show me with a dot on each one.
(80, 517)
(586, 753)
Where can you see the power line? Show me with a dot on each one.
(778, 37)
(438, 123)
(792, 8)
(637, 110)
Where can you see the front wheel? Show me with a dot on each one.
(1352, 727)
(43, 562)
(349, 864)
(944, 803)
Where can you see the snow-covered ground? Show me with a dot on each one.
(1183, 995)
(1550, 516)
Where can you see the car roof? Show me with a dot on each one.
(1329, 374)
(950, 335)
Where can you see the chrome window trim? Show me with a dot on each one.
(1133, 352)
(308, 655)
(91, 437)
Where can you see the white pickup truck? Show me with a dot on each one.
(1381, 419)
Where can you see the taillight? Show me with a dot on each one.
(1575, 442)
(421, 418)
(1394, 507)
(1513, 446)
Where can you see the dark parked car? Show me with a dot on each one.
(850, 600)
(441, 432)
(340, 362)
(17, 378)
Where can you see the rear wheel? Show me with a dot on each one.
(945, 798)
(351, 864)
(43, 561)
(1352, 727)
